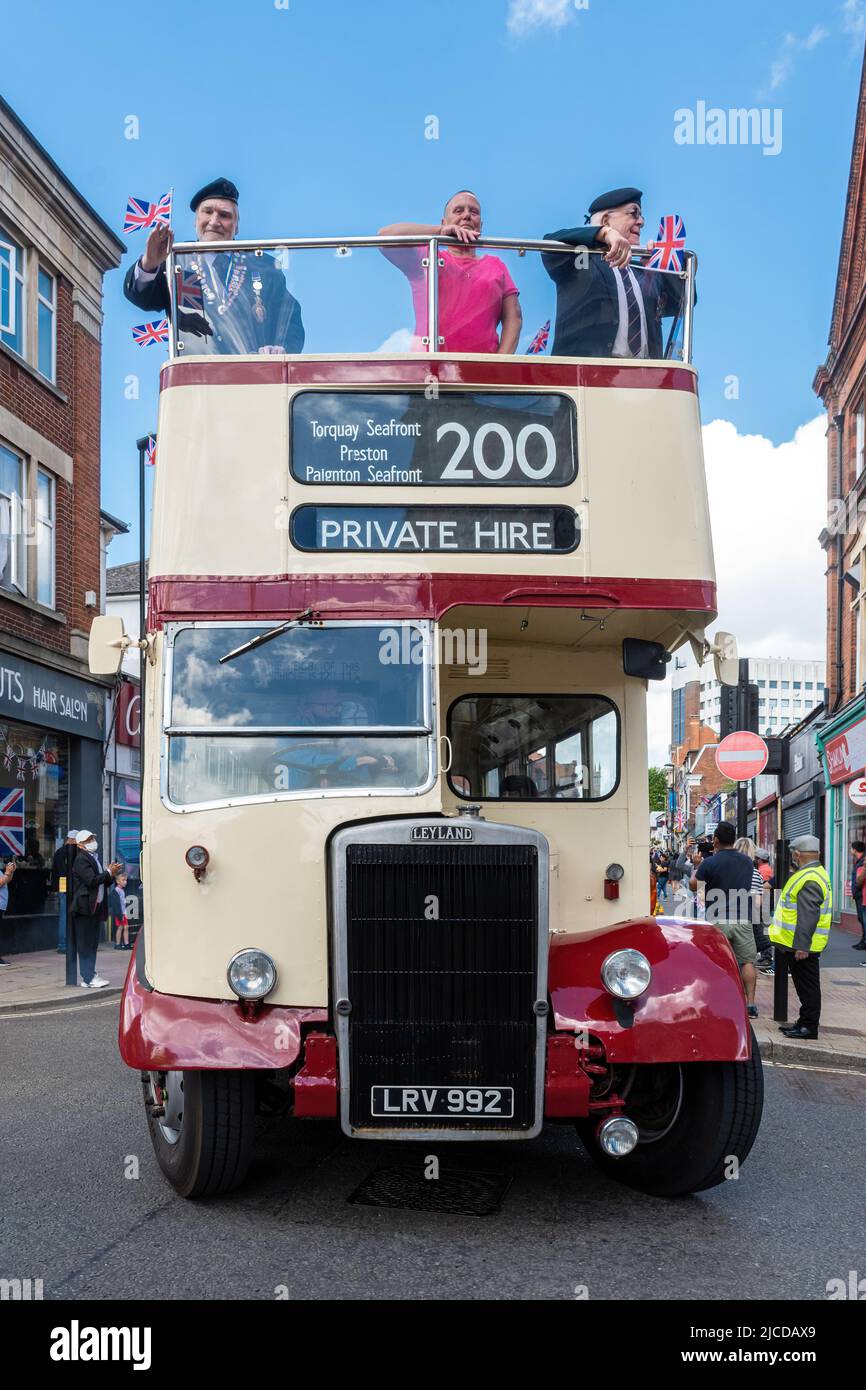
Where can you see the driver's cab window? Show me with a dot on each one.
(317, 708)
(534, 747)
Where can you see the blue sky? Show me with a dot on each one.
(318, 112)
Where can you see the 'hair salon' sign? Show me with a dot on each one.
(50, 699)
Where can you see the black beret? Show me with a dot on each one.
(615, 198)
(219, 188)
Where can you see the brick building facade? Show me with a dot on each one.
(54, 252)
(840, 382)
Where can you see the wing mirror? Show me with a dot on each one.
(108, 644)
(726, 658)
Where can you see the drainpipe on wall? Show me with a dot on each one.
(840, 555)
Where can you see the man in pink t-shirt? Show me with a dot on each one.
(476, 293)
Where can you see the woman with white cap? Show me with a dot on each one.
(90, 905)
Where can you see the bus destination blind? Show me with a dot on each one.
(423, 530)
(457, 439)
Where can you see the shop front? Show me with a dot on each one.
(842, 745)
(52, 728)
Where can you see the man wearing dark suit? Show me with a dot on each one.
(247, 307)
(606, 307)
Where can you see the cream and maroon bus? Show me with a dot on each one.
(403, 606)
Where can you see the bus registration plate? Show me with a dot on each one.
(456, 1102)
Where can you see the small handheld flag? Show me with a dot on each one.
(140, 213)
(669, 243)
(189, 295)
(539, 342)
(147, 333)
(150, 451)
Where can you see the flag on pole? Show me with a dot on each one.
(147, 333)
(150, 451)
(539, 342)
(669, 243)
(140, 213)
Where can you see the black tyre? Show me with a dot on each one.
(201, 1126)
(693, 1119)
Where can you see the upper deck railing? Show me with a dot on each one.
(340, 295)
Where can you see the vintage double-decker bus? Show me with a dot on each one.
(403, 606)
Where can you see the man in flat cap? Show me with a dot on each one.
(801, 929)
(246, 305)
(605, 307)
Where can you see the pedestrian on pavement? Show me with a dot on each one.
(858, 881)
(727, 884)
(764, 867)
(763, 945)
(61, 884)
(801, 929)
(90, 905)
(662, 871)
(118, 920)
(5, 879)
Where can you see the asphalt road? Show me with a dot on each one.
(72, 1119)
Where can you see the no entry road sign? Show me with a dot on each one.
(742, 756)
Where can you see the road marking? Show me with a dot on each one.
(36, 1012)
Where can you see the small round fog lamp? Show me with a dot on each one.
(617, 1136)
(626, 974)
(251, 974)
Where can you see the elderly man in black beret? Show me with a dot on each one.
(606, 307)
(246, 305)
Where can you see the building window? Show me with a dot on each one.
(774, 685)
(860, 437)
(34, 769)
(45, 539)
(47, 324)
(786, 685)
(13, 555)
(13, 310)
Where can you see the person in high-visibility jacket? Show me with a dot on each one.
(801, 929)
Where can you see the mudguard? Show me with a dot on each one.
(165, 1032)
(693, 1011)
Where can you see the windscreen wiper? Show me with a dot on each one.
(307, 616)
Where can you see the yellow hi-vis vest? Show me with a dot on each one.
(785, 917)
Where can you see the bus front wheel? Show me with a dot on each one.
(201, 1126)
(697, 1122)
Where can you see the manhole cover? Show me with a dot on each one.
(456, 1192)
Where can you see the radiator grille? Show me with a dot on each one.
(447, 1000)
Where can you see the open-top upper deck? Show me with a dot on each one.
(362, 473)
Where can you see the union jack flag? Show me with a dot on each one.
(670, 241)
(150, 450)
(12, 819)
(539, 342)
(189, 295)
(147, 333)
(140, 213)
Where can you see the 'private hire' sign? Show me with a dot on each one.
(426, 530)
(456, 439)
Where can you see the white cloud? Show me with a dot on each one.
(526, 15)
(767, 502)
(400, 340)
(791, 48)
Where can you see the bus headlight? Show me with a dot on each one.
(626, 974)
(251, 974)
(617, 1136)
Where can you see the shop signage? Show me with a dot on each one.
(846, 753)
(857, 791)
(128, 716)
(50, 699)
(455, 439)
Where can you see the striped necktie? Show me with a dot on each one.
(634, 325)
